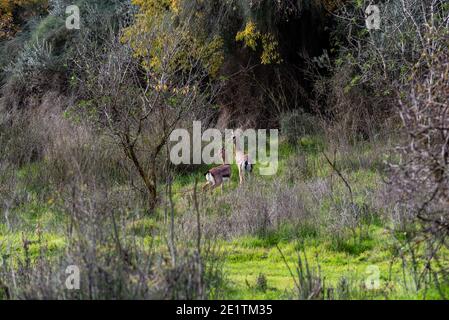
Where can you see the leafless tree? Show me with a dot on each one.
(140, 107)
(421, 178)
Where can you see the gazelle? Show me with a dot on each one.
(218, 175)
(243, 161)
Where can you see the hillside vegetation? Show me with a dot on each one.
(358, 208)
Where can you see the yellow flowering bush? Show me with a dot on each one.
(8, 7)
(159, 26)
(252, 38)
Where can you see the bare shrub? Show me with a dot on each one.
(296, 124)
(76, 150)
(136, 105)
(21, 136)
(420, 178)
(299, 167)
(52, 150)
(309, 284)
(347, 219)
(346, 214)
(371, 65)
(113, 263)
(8, 192)
(256, 208)
(263, 208)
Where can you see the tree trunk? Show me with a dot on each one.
(148, 179)
(152, 190)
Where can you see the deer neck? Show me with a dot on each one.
(239, 154)
(225, 159)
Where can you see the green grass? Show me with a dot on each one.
(249, 257)
(349, 258)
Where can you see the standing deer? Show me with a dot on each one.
(243, 161)
(218, 175)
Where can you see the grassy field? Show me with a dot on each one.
(273, 257)
(263, 265)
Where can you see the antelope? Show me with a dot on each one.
(243, 161)
(218, 175)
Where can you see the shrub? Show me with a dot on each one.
(258, 208)
(296, 124)
(35, 57)
(114, 263)
(420, 178)
(261, 282)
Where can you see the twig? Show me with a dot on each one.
(334, 167)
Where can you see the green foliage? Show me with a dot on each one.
(297, 124)
(35, 57)
(47, 28)
(168, 25)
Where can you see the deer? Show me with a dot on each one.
(243, 161)
(217, 176)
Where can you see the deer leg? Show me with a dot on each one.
(218, 182)
(213, 187)
(241, 174)
(206, 186)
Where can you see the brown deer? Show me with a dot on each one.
(217, 176)
(243, 161)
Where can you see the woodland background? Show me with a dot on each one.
(363, 187)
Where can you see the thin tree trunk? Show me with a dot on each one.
(148, 179)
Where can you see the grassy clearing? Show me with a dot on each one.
(250, 257)
(253, 266)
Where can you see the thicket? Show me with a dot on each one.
(87, 114)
